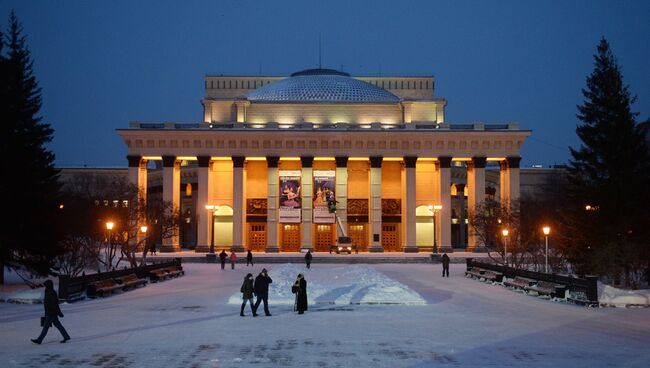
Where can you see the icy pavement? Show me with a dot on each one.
(188, 322)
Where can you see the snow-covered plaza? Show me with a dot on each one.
(386, 315)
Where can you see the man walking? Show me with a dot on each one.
(308, 259)
(52, 314)
(445, 265)
(261, 290)
(222, 258)
(249, 258)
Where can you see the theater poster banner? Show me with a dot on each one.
(324, 189)
(290, 199)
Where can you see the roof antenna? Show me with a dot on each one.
(320, 65)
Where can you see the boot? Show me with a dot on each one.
(241, 313)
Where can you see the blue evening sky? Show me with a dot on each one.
(102, 64)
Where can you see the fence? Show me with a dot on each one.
(69, 287)
(581, 290)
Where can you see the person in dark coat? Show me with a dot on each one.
(52, 314)
(300, 289)
(308, 258)
(247, 294)
(152, 248)
(261, 290)
(445, 265)
(222, 257)
(249, 258)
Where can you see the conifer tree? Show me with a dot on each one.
(30, 188)
(607, 207)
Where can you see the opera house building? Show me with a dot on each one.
(273, 154)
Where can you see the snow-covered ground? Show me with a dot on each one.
(189, 322)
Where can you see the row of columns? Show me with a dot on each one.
(509, 191)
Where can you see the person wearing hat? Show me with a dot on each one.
(247, 294)
(52, 314)
(300, 289)
(261, 290)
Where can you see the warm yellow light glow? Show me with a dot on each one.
(159, 158)
(143, 229)
(546, 230)
(365, 126)
(505, 232)
(496, 158)
(461, 159)
(211, 207)
(430, 208)
(427, 159)
(324, 158)
(219, 158)
(255, 158)
(393, 159)
(289, 158)
(187, 158)
(437, 207)
(358, 159)
(109, 225)
(61, 206)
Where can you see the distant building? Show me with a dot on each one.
(271, 152)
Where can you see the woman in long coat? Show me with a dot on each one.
(247, 294)
(300, 289)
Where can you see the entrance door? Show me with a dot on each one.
(359, 236)
(257, 236)
(324, 238)
(390, 237)
(291, 238)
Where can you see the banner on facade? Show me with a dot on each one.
(324, 190)
(290, 199)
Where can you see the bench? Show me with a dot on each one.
(492, 276)
(475, 272)
(175, 271)
(103, 287)
(131, 280)
(165, 273)
(548, 288)
(519, 283)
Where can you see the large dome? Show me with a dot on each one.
(321, 85)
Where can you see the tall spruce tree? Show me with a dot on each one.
(29, 236)
(609, 178)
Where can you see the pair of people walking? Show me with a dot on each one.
(258, 288)
(52, 314)
(232, 257)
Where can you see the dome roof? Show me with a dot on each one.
(321, 85)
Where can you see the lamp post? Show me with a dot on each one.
(505, 233)
(143, 230)
(109, 227)
(433, 209)
(546, 230)
(212, 208)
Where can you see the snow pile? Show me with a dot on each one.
(609, 295)
(23, 296)
(353, 284)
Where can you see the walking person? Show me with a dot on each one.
(261, 290)
(247, 294)
(152, 249)
(233, 259)
(300, 289)
(222, 257)
(445, 265)
(249, 258)
(52, 314)
(308, 258)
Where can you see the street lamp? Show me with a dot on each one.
(433, 209)
(109, 227)
(546, 230)
(505, 233)
(143, 230)
(212, 208)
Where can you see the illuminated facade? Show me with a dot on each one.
(272, 150)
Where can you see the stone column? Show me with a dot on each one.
(238, 203)
(443, 217)
(342, 192)
(375, 204)
(172, 194)
(410, 247)
(138, 177)
(462, 215)
(272, 205)
(204, 228)
(241, 110)
(513, 179)
(475, 196)
(306, 184)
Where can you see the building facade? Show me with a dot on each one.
(273, 153)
